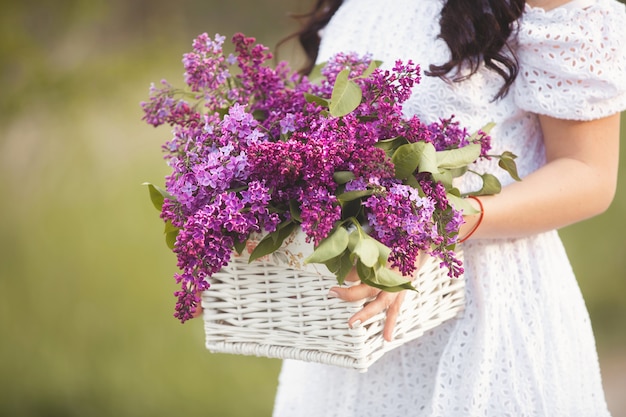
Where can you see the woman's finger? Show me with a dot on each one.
(353, 293)
(389, 302)
(392, 316)
(381, 303)
(197, 312)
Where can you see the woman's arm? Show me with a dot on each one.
(577, 182)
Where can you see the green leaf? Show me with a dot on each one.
(316, 72)
(351, 208)
(486, 129)
(353, 195)
(266, 246)
(340, 266)
(171, 232)
(444, 177)
(389, 145)
(454, 191)
(343, 177)
(458, 158)
(491, 185)
(370, 69)
(333, 264)
(345, 267)
(507, 162)
(169, 227)
(346, 95)
(407, 158)
(367, 118)
(259, 115)
(334, 244)
(461, 204)
(388, 280)
(239, 246)
(272, 241)
(367, 251)
(365, 273)
(354, 238)
(457, 172)
(170, 238)
(383, 252)
(428, 159)
(316, 99)
(222, 112)
(411, 181)
(294, 210)
(157, 195)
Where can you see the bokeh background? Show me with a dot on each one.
(86, 326)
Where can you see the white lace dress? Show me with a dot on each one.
(524, 345)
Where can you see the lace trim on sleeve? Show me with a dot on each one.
(573, 60)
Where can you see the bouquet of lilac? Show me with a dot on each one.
(262, 150)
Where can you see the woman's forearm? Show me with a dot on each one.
(577, 182)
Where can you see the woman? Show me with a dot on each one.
(551, 75)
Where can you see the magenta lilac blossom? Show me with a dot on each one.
(255, 148)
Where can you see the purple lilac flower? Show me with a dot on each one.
(357, 184)
(256, 147)
(279, 164)
(188, 298)
(435, 191)
(349, 60)
(258, 198)
(204, 67)
(401, 219)
(287, 123)
(447, 134)
(164, 108)
(320, 211)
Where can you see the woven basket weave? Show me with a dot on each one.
(277, 307)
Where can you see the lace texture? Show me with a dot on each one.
(573, 60)
(524, 345)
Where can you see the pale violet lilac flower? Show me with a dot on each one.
(248, 147)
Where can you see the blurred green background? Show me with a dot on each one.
(86, 326)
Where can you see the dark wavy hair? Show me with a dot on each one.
(476, 32)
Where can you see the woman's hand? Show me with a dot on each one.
(198, 310)
(381, 300)
(390, 301)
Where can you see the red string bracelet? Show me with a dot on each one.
(480, 219)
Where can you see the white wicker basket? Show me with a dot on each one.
(277, 307)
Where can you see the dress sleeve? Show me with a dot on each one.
(572, 60)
